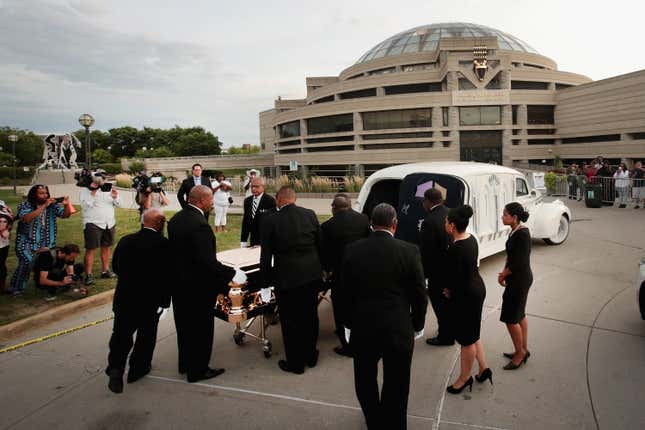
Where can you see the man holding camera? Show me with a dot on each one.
(98, 221)
(57, 272)
(153, 196)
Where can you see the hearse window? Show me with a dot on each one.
(520, 187)
(385, 191)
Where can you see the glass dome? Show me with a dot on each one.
(426, 38)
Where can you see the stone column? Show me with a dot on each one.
(380, 91)
(358, 127)
(507, 123)
(522, 121)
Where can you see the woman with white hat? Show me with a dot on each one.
(221, 201)
(250, 175)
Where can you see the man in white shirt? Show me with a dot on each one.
(98, 223)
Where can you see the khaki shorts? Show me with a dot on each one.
(96, 236)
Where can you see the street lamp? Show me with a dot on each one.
(13, 139)
(86, 120)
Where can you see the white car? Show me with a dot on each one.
(640, 287)
(485, 187)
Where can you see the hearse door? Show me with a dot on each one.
(410, 210)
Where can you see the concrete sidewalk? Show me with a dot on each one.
(586, 369)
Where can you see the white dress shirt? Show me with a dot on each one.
(98, 209)
(197, 180)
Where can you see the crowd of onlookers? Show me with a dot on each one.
(617, 181)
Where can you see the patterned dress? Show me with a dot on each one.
(30, 237)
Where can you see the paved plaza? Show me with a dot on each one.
(586, 370)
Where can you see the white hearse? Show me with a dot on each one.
(485, 187)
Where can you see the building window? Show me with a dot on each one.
(289, 129)
(514, 109)
(413, 88)
(528, 85)
(331, 139)
(540, 114)
(368, 92)
(480, 115)
(331, 124)
(465, 84)
(397, 136)
(590, 139)
(444, 115)
(562, 86)
(541, 141)
(331, 148)
(415, 145)
(405, 118)
(324, 100)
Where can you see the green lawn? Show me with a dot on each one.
(71, 231)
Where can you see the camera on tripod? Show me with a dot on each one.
(85, 178)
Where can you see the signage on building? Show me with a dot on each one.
(481, 97)
(293, 166)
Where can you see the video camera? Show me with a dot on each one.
(84, 178)
(141, 182)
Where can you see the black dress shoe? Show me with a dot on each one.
(314, 360)
(435, 341)
(344, 351)
(135, 375)
(285, 367)
(116, 381)
(208, 374)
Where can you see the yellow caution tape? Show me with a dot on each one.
(53, 335)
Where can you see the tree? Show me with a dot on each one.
(234, 150)
(29, 147)
(101, 156)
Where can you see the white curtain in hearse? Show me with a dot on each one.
(490, 193)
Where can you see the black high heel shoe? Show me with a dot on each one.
(512, 354)
(513, 366)
(486, 374)
(469, 383)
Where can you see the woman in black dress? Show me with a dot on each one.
(517, 279)
(466, 295)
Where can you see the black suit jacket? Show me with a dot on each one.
(339, 231)
(383, 279)
(292, 237)
(141, 261)
(433, 243)
(251, 226)
(200, 277)
(187, 185)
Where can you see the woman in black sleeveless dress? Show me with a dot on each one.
(466, 294)
(517, 279)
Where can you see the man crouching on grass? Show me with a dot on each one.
(142, 292)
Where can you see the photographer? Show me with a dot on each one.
(57, 273)
(152, 195)
(36, 230)
(98, 221)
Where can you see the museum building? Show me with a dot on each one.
(454, 91)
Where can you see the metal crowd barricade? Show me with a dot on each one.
(613, 188)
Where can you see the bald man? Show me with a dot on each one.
(346, 226)
(199, 279)
(143, 288)
(256, 207)
(291, 237)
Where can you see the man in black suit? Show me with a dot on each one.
(200, 278)
(346, 226)
(383, 278)
(291, 236)
(188, 184)
(433, 243)
(142, 290)
(256, 206)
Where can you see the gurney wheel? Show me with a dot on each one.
(238, 338)
(268, 350)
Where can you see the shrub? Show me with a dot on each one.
(353, 184)
(123, 180)
(136, 167)
(320, 184)
(111, 168)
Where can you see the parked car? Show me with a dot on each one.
(640, 287)
(485, 187)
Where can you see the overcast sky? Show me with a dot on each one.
(217, 63)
